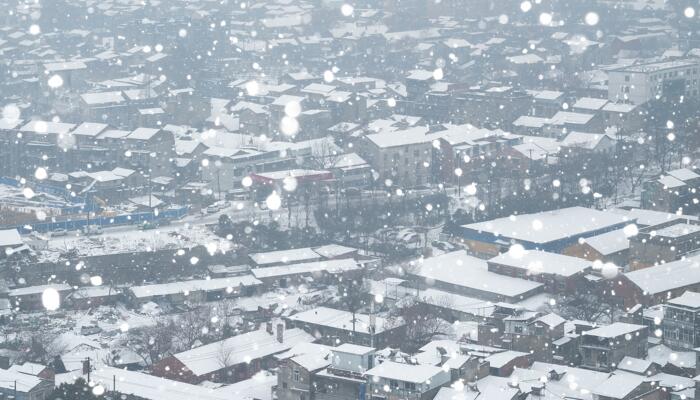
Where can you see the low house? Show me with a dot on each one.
(558, 273)
(503, 363)
(136, 385)
(93, 296)
(282, 257)
(297, 370)
(196, 290)
(10, 242)
(681, 321)
(345, 376)
(319, 271)
(20, 386)
(602, 349)
(611, 246)
(331, 326)
(663, 243)
(463, 274)
(638, 366)
(233, 359)
(551, 231)
(654, 285)
(30, 298)
(628, 387)
(672, 192)
(33, 369)
(533, 332)
(408, 381)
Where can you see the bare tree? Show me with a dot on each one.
(224, 357)
(422, 324)
(324, 154)
(153, 342)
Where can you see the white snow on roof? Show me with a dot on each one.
(551, 320)
(90, 129)
(290, 256)
(64, 66)
(10, 237)
(102, 98)
(619, 386)
(542, 262)
(609, 242)
(334, 250)
(408, 372)
(144, 386)
(584, 140)
(47, 127)
(143, 133)
(451, 301)
(28, 368)
(353, 349)
(329, 266)
(565, 117)
(670, 182)
(614, 330)
(24, 382)
(650, 217)
(259, 387)
(499, 360)
(164, 289)
(459, 268)
(687, 299)
(339, 319)
(60, 287)
(664, 277)
(636, 365)
(415, 135)
(239, 349)
(556, 224)
(590, 103)
(683, 174)
(678, 230)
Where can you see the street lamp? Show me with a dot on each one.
(458, 172)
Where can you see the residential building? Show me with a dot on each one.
(640, 83)
(233, 359)
(681, 321)
(558, 273)
(665, 242)
(400, 381)
(603, 348)
(332, 326)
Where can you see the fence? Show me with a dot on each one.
(123, 219)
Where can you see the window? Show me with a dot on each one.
(410, 386)
(296, 375)
(627, 78)
(393, 384)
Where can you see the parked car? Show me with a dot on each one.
(59, 232)
(92, 230)
(144, 226)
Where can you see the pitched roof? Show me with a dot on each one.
(239, 349)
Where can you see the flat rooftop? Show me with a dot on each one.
(549, 226)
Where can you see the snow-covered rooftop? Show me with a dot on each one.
(239, 349)
(460, 269)
(549, 226)
(542, 262)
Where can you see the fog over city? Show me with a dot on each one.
(349, 200)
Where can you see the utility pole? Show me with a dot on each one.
(87, 368)
(218, 182)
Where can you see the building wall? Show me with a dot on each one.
(294, 381)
